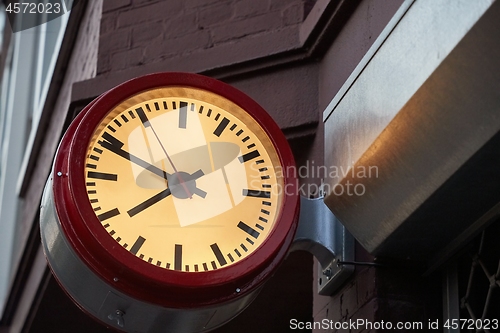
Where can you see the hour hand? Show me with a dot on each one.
(149, 202)
(114, 145)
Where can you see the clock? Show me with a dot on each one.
(171, 201)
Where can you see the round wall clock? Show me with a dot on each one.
(169, 204)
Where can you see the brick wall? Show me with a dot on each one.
(138, 32)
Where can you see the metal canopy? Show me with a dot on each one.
(417, 129)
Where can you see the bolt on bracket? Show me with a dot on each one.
(321, 233)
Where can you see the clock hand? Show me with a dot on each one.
(165, 193)
(174, 182)
(132, 158)
(146, 123)
(149, 202)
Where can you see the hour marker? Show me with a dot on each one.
(244, 247)
(157, 106)
(233, 127)
(111, 128)
(214, 266)
(124, 117)
(137, 245)
(222, 126)
(131, 113)
(111, 139)
(97, 150)
(117, 122)
(249, 156)
(259, 226)
(256, 193)
(109, 214)
(142, 117)
(178, 257)
(102, 175)
(93, 157)
(248, 229)
(239, 132)
(182, 114)
(205, 267)
(218, 254)
(91, 166)
(217, 116)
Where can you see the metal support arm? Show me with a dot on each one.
(320, 233)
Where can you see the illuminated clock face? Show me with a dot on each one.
(184, 179)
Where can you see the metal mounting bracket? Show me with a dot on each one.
(320, 233)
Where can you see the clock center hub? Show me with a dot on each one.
(181, 185)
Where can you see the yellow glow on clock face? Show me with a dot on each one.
(184, 179)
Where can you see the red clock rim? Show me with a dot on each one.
(131, 275)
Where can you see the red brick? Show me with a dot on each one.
(238, 29)
(281, 4)
(113, 41)
(145, 33)
(349, 300)
(108, 23)
(126, 59)
(103, 64)
(202, 3)
(245, 8)
(110, 5)
(151, 12)
(214, 15)
(176, 47)
(143, 2)
(180, 25)
(367, 313)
